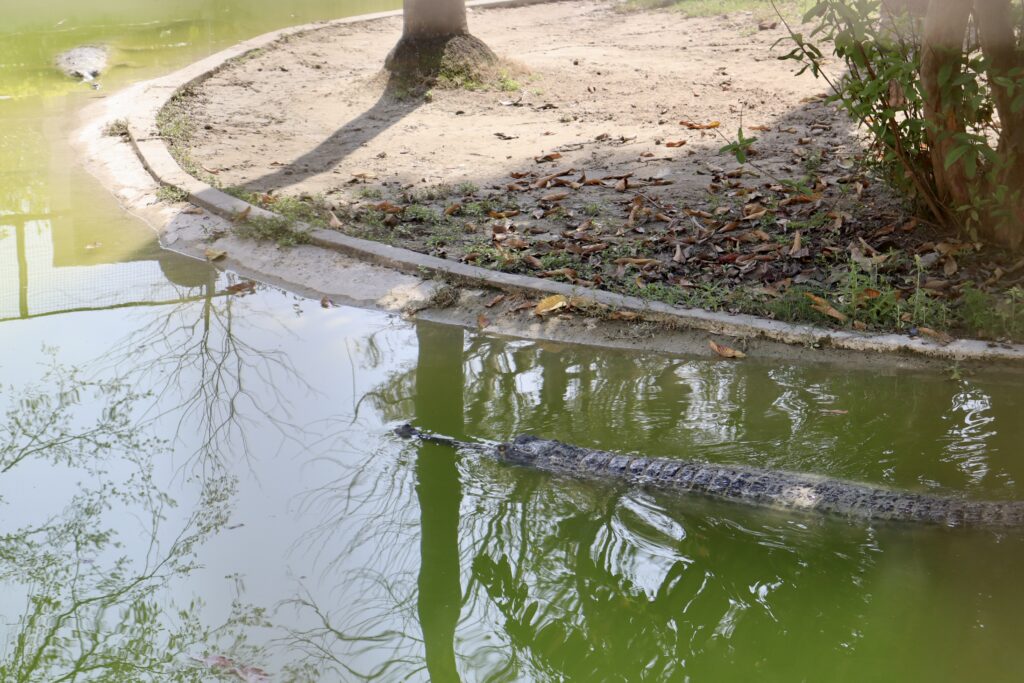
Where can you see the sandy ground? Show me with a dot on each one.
(604, 88)
(597, 161)
(324, 273)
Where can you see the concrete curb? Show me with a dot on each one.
(156, 158)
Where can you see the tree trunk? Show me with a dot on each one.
(436, 43)
(433, 18)
(942, 50)
(999, 44)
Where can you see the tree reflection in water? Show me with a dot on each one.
(524, 576)
(92, 607)
(94, 570)
(424, 564)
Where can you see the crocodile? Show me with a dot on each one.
(750, 485)
(86, 62)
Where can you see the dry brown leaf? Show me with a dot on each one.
(554, 196)
(547, 157)
(214, 254)
(453, 209)
(495, 301)
(568, 273)
(622, 185)
(624, 315)
(940, 337)
(725, 351)
(675, 143)
(795, 249)
(825, 308)
(482, 321)
(334, 222)
(867, 294)
(567, 182)
(388, 207)
(642, 262)
(551, 304)
(800, 199)
(700, 126)
(242, 287)
(533, 262)
(326, 303)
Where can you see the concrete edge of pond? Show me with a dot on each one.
(144, 101)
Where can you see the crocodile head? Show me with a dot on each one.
(522, 450)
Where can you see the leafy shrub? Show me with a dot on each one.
(940, 89)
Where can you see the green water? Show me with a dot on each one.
(194, 483)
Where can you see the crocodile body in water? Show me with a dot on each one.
(751, 485)
(86, 62)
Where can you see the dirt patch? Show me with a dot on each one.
(598, 163)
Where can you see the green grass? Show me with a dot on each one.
(171, 194)
(277, 229)
(466, 189)
(478, 209)
(312, 209)
(174, 123)
(116, 129)
(762, 9)
(417, 213)
(431, 193)
(993, 316)
(508, 84)
(370, 193)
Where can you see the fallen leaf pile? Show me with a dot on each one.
(830, 248)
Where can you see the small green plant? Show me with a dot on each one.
(466, 189)
(431, 193)
(478, 209)
(506, 83)
(171, 194)
(276, 229)
(993, 316)
(370, 193)
(312, 209)
(556, 260)
(117, 129)
(739, 147)
(417, 213)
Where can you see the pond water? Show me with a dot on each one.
(198, 486)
